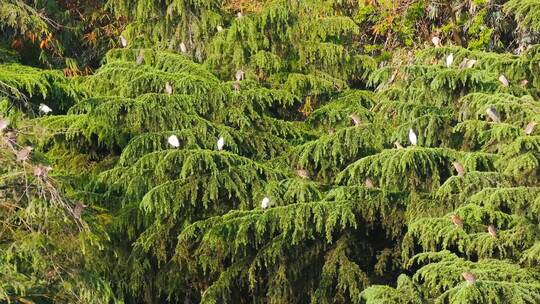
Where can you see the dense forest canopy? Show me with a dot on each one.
(270, 151)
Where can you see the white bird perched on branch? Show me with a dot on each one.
(183, 47)
(219, 28)
(239, 15)
(43, 108)
(168, 88)
(265, 203)
(123, 41)
(449, 60)
(493, 114)
(220, 143)
(436, 41)
(4, 123)
(470, 63)
(173, 141)
(459, 168)
(469, 277)
(504, 80)
(412, 137)
(530, 127)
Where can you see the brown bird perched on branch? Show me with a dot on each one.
(469, 277)
(78, 209)
(302, 173)
(456, 220)
(356, 120)
(493, 114)
(530, 127)
(459, 168)
(41, 170)
(23, 154)
(492, 231)
(368, 182)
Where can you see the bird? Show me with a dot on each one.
(239, 76)
(183, 47)
(173, 141)
(449, 60)
(236, 86)
(463, 63)
(302, 173)
(398, 145)
(504, 80)
(168, 88)
(9, 139)
(456, 220)
(524, 83)
(470, 63)
(239, 15)
(44, 108)
(368, 182)
(469, 277)
(436, 41)
(492, 231)
(493, 114)
(356, 120)
(140, 58)
(41, 170)
(412, 137)
(219, 28)
(530, 127)
(459, 168)
(23, 154)
(265, 203)
(123, 41)
(4, 123)
(220, 143)
(78, 210)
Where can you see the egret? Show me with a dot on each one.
(470, 63)
(398, 145)
(183, 47)
(44, 108)
(492, 231)
(449, 60)
(23, 154)
(412, 137)
(219, 28)
(530, 127)
(356, 120)
(504, 80)
(463, 63)
(220, 143)
(493, 114)
(239, 75)
(469, 277)
(459, 168)
(168, 88)
(456, 220)
(123, 41)
(173, 141)
(436, 41)
(239, 15)
(4, 123)
(302, 173)
(140, 58)
(368, 182)
(265, 203)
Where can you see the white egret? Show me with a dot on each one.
(173, 141)
(220, 143)
(44, 108)
(265, 203)
(413, 138)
